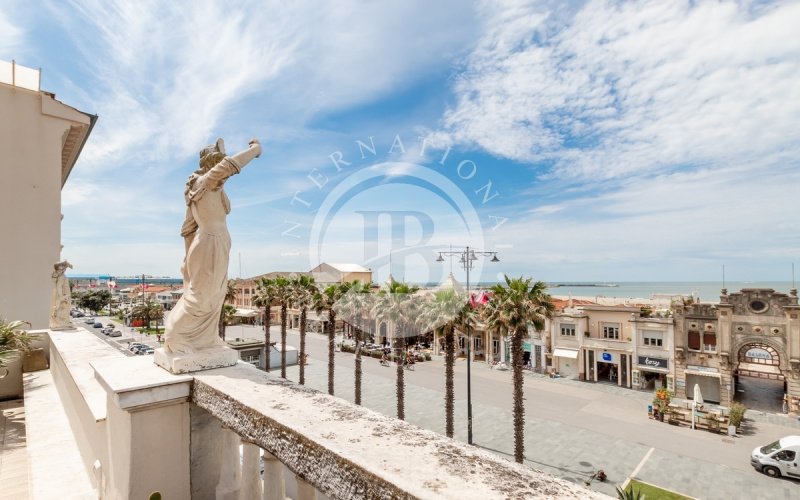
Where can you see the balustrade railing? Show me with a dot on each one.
(239, 433)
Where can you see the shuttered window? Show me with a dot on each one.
(694, 340)
(710, 342)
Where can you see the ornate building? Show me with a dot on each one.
(751, 333)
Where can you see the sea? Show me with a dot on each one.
(706, 291)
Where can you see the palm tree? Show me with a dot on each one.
(303, 290)
(352, 307)
(324, 300)
(265, 295)
(230, 294)
(440, 313)
(513, 306)
(12, 338)
(148, 311)
(228, 313)
(394, 305)
(283, 294)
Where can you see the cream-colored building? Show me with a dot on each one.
(41, 139)
(330, 273)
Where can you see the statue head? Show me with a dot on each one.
(211, 155)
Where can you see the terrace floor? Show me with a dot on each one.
(13, 453)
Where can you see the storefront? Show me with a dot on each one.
(651, 373)
(607, 365)
(565, 362)
(707, 379)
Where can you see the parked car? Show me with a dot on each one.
(115, 333)
(97, 324)
(133, 346)
(106, 331)
(89, 320)
(110, 325)
(781, 458)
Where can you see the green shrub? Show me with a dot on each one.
(736, 414)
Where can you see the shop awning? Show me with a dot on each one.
(245, 313)
(566, 353)
(702, 373)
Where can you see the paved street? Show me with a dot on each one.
(572, 428)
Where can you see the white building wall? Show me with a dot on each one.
(33, 131)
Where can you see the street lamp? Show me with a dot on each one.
(466, 257)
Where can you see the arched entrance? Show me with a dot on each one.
(759, 382)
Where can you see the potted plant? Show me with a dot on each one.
(735, 417)
(712, 422)
(661, 401)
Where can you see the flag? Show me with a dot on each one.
(112, 284)
(480, 298)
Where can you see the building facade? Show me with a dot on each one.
(751, 333)
(41, 139)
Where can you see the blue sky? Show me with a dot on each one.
(582, 141)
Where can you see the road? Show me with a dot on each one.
(572, 428)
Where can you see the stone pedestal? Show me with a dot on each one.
(203, 359)
(147, 429)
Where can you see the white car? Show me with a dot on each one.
(781, 458)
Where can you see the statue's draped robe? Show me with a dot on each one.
(60, 300)
(194, 321)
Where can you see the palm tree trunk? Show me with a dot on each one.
(221, 324)
(449, 393)
(519, 409)
(302, 356)
(331, 347)
(267, 348)
(283, 339)
(401, 386)
(358, 337)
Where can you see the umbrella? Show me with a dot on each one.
(698, 401)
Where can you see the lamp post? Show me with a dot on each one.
(467, 257)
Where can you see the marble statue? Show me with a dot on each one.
(191, 335)
(61, 298)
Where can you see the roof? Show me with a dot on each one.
(348, 268)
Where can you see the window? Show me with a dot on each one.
(709, 341)
(611, 331)
(652, 338)
(784, 455)
(567, 330)
(495, 346)
(253, 359)
(694, 340)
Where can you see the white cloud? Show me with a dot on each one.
(638, 87)
(169, 76)
(11, 38)
(674, 226)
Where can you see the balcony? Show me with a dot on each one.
(100, 423)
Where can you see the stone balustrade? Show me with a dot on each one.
(210, 434)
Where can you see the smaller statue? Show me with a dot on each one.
(61, 298)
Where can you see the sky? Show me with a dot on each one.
(581, 141)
